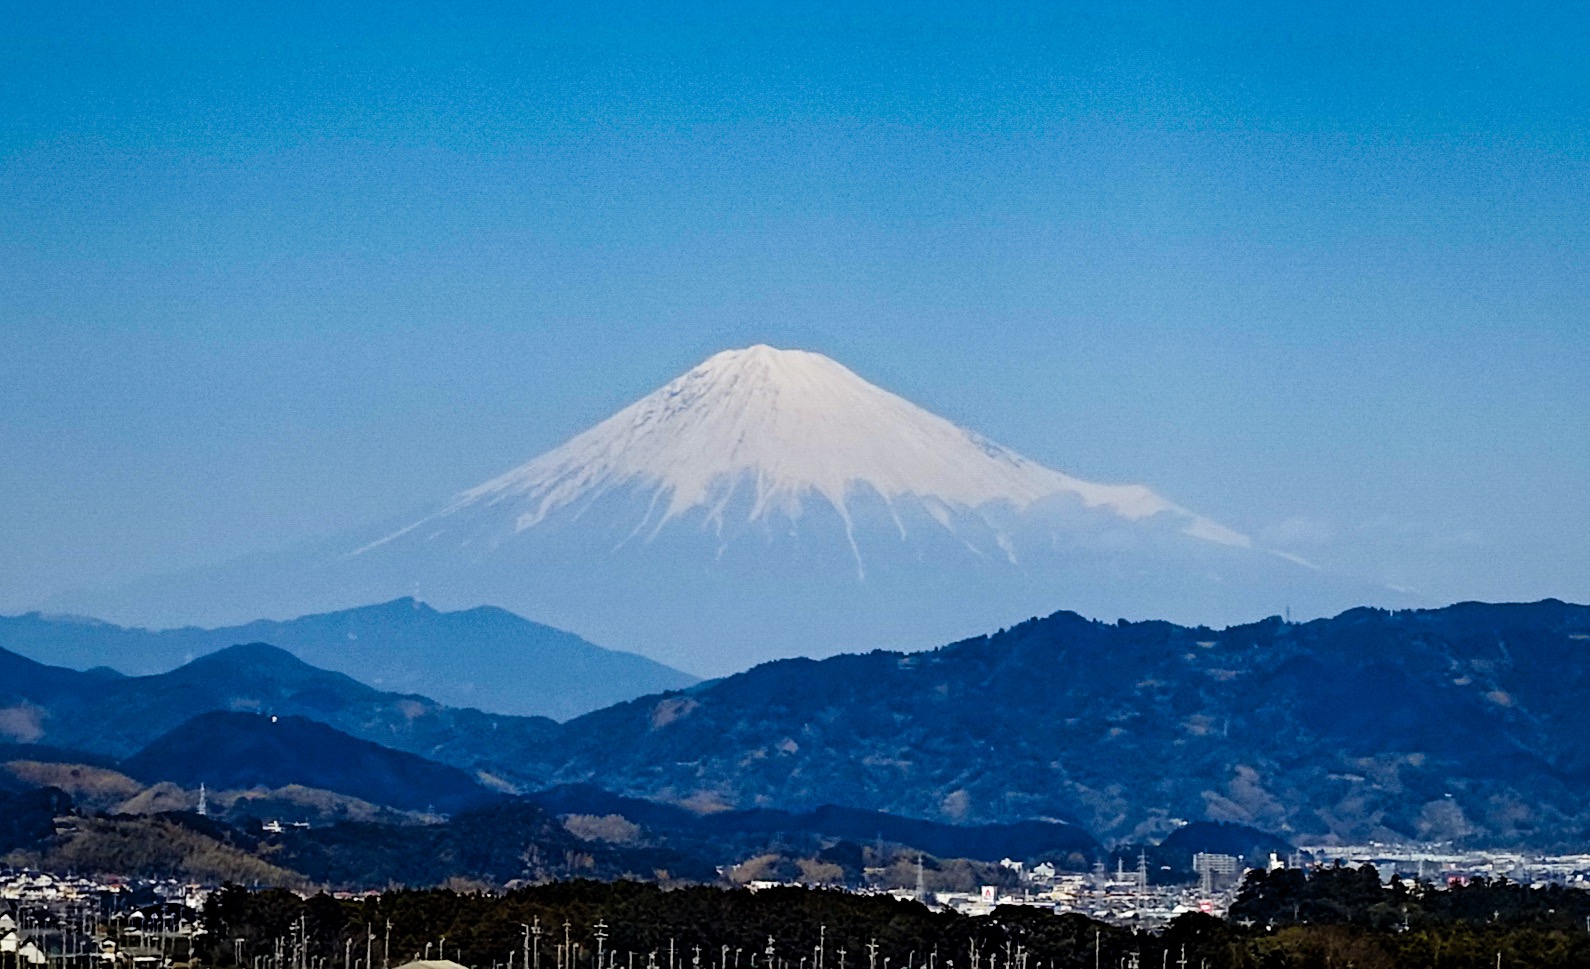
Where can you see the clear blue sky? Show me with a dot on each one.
(1319, 271)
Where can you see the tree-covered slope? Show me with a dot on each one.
(1463, 722)
(66, 708)
(232, 751)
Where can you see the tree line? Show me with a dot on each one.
(1326, 917)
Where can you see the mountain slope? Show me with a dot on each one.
(67, 708)
(772, 503)
(230, 751)
(1464, 722)
(788, 427)
(486, 658)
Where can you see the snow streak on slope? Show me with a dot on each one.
(783, 426)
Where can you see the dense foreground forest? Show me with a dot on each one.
(1331, 917)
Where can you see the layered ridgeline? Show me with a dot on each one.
(248, 750)
(114, 716)
(772, 503)
(484, 657)
(1463, 723)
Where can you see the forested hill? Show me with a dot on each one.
(68, 708)
(1462, 722)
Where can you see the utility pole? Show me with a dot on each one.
(601, 939)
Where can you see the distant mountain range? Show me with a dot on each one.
(486, 658)
(1461, 724)
(767, 503)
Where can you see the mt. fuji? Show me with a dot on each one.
(772, 503)
(775, 431)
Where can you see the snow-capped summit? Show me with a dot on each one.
(771, 503)
(776, 429)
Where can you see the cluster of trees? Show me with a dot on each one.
(1325, 918)
(1338, 895)
(27, 818)
(1339, 916)
(644, 924)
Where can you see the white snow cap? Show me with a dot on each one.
(791, 424)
